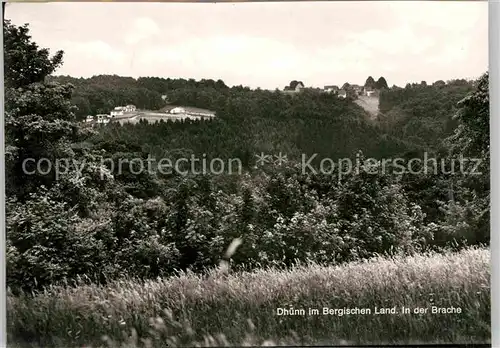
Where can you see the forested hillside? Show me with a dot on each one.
(272, 122)
(422, 113)
(311, 122)
(418, 116)
(100, 94)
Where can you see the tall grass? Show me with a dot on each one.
(240, 309)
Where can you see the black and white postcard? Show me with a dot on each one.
(247, 173)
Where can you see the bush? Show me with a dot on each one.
(47, 243)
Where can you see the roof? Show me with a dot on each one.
(331, 87)
(167, 108)
(294, 84)
(127, 115)
(188, 109)
(199, 110)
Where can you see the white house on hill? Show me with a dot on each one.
(130, 108)
(120, 110)
(191, 112)
(103, 118)
(331, 89)
(294, 87)
(178, 110)
(357, 88)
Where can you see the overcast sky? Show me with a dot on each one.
(265, 44)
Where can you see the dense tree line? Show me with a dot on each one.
(100, 94)
(421, 113)
(104, 221)
(309, 123)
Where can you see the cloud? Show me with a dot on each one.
(222, 51)
(236, 53)
(454, 16)
(401, 40)
(142, 28)
(317, 42)
(234, 58)
(92, 58)
(99, 50)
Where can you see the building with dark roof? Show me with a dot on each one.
(294, 87)
(331, 89)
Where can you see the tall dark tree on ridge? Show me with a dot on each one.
(439, 83)
(381, 83)
(370, 82)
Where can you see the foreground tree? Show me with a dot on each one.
(38, 116)
(471, 140)
(25, 61)
(472, 135)
(45, 208)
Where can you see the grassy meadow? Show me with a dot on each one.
(222, 309)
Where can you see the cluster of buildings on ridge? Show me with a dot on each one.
(130, 114)
(106, 118)
(347, 89)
